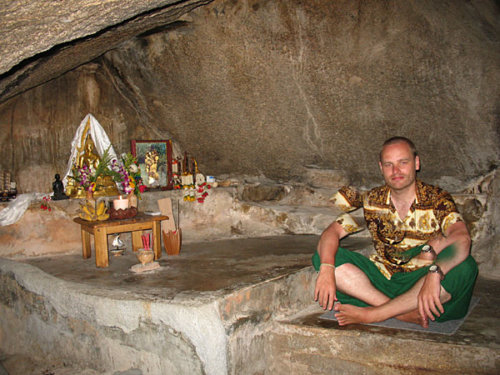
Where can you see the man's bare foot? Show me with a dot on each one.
(349, 314)
(413, 317)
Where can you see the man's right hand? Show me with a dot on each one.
(326, 291)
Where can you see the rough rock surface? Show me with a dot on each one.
(301, 210)
(252, 313)
(264, 88)
(260, 88)
(178, 319)
(42, 40)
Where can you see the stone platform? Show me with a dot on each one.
(223, 307)
(306, 344)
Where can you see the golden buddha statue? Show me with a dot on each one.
(87, 156)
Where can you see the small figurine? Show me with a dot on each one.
(118, 247)
(117, 243)
(58, 188)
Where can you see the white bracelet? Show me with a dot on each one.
(327, 264)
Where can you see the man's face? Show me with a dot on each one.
(398, 166)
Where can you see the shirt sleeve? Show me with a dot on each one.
(446, 212)
(348, 224)
(348, 199)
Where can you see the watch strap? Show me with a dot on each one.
(436, 269)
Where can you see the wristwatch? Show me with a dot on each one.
(436, 269)
(428, 249)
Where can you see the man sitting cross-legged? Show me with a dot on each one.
(399, 280)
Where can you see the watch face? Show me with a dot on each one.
(433, 268)
(426, 248)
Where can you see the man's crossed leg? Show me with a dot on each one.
(366, 296)
(354, 282)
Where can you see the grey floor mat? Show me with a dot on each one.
(446, 328)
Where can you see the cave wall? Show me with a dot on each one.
(269, 87)
(41, 123)
(280, 85)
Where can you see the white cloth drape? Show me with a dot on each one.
(17, 207)
(99, 137)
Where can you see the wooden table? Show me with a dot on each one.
(101, 229)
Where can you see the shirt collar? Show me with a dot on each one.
(418, 191)
(388, 196)
(418, 188)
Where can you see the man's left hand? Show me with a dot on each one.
(429, 302)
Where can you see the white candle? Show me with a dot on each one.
(120, 203)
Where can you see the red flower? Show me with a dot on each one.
(50, 209)
(42, 206)
(209, 186)
(201, 200)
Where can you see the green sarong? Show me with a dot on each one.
(459, 282)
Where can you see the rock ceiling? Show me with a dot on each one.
(43, 39)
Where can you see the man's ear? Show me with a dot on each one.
(380, 165)
(417, 163)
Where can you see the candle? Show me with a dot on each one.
(120, 204)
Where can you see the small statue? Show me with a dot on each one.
(58, 188)
(89, 158)
(117, 243)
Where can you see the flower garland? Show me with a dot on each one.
(188, 193)
(202, 191)
(46, 204)
(196, 193)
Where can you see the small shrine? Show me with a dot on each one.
(89, 146)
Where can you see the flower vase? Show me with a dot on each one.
(132, 200)
(89, 196)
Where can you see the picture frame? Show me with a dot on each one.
(155, 162)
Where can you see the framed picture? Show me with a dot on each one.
(155, 162)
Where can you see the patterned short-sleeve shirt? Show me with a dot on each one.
(432, 213)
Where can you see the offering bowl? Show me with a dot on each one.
(145, 256)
